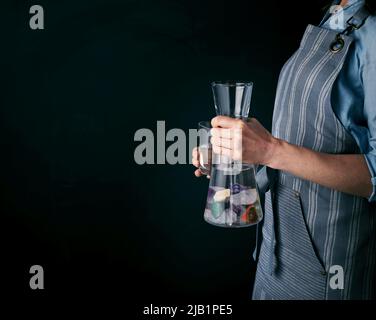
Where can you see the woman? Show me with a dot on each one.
(319, 233)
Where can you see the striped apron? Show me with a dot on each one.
(312, 233)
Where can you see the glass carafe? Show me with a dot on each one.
(233, 199)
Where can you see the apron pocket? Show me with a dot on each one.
(298, 265)
(298, 276)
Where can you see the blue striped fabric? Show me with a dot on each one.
(309, 228)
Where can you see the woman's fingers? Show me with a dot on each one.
(195, 157)
(223, 151)
(198, 173)
(195, 153)
(221, 142)
(227, 136)
(222, 133)
(224, 122)
(196, 163)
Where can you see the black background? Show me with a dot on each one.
(72, 96)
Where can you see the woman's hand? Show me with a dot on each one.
(245, 141)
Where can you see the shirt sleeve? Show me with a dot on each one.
(369, 87)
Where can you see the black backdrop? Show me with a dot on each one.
(72, 96)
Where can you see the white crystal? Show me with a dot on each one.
(244, 197)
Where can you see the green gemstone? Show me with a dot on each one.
(217, 209)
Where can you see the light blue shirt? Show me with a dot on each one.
(354, 92)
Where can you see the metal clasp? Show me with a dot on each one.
(352, 24)
(338, 44)
(355, 26)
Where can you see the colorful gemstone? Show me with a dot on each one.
(249, 215)
(237, 209)
(222, 195)
(217, 209)
(235, 188)
(211, 193)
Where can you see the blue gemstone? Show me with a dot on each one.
(235, 188)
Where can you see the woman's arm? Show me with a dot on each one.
(344, 172)
(250, 142)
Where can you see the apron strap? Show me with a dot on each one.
(266, 178)
(357, 20)
(272, 255)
